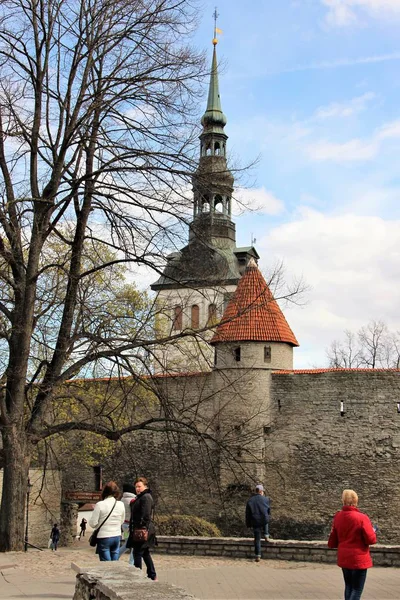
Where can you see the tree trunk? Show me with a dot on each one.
(15, 481)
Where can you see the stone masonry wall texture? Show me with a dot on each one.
(313, 452)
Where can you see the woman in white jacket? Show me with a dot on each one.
(109, 535)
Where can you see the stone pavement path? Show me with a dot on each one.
(47, 576)
(285, 581)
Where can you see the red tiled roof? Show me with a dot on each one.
(333, 370)
(253, 314)
(149, 376)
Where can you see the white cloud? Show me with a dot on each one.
(344, 62)
(352, 264)
(391, 130)
(258, 200)
(342, 13)
(354, 150)
(351, 151)
(345, 109)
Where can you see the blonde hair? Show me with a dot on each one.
(349, 498)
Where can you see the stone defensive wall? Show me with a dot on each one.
(331, 430)
(298, 550)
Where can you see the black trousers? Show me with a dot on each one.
(144, 553)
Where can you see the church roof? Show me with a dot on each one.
(199, 264)
(214, 118)
(253, 314)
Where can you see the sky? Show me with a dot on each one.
(312, 88)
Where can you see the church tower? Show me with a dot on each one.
(199, 280)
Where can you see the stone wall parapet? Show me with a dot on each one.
(117, 581)
(297, 550)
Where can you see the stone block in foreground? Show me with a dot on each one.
(117, 581)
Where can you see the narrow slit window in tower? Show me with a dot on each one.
(177, 324)
(98, 477)
(195, 316)
(267, 354)
(212, 314)
(237, 354)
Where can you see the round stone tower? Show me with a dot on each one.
(252, 340)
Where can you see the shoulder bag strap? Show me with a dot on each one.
(98, 528)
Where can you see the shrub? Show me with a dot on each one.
(185, 525)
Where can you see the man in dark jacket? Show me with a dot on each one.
(257, 516)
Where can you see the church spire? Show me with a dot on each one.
(214, 119)
(212, 180)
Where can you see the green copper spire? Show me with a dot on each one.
(214, 119)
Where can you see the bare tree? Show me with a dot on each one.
(96, 104)
(344, 354)
(373, 346)
(97, 100)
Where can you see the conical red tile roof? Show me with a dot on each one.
(253, 314)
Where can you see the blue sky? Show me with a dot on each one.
(313, 87)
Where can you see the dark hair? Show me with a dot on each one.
(143, 480)
(110, 489)
(128, 487)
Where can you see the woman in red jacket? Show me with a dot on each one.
(352, 533)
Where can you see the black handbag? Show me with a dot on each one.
(93, 537)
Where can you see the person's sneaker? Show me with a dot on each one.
(258, 558)
(268, 538)
(155, 579)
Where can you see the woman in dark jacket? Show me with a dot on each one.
(141, 517)
(352, 533)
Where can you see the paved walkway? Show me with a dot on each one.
(205, 578)
(288, 581)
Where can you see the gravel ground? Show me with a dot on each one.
(47, 564)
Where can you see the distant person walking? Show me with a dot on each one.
(141, 526)
(352, 533)
(257, 517)
(83, 528)
(108, 516)
(55, 537)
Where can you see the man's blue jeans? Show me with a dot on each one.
(354, 580)
(258, 532)
(108, 548)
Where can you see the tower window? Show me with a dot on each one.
(195, 316)
(177, 324)
(217, 149)
(237, 354)
(212, 314)
(267, 353)
(208, 151)
(218, 204)
(98, 477)
(205, 204)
